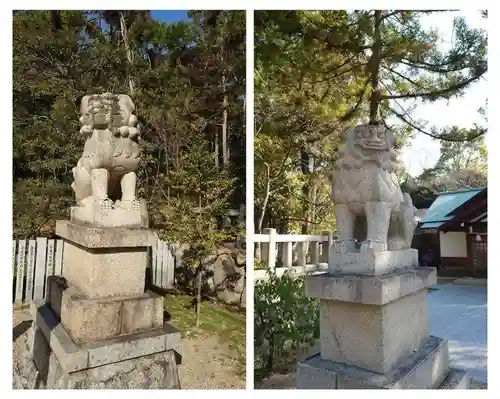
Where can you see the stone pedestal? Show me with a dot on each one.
(98, 328)
(374, 326)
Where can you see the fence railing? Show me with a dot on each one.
(33, 261)
(298, 253)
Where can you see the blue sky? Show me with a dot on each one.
(170, 16)
(424, 151)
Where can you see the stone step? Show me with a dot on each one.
(369, 290)
(88, 320)
(426, 368)
(456, 379)
(372, 263)
(375, 338)
(74, 356)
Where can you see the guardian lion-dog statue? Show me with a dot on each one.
(370, 207)
(105, 176)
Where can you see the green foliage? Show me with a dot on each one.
(226, 323)
(319, 72)
(198, 199)
(173, 72)
(284, 317)
(461, 165)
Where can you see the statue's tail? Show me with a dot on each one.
(82, 186)
(409, 218)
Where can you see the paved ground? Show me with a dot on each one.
(459, 314)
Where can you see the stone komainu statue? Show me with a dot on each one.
(369, 205)
(105, 175)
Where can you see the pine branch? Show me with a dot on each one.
(438, 137)
(352, 111)
(403, 77)
(432, 95)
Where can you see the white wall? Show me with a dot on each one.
(453, 244)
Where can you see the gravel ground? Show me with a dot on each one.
(206, 363)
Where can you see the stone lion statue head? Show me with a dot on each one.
(367, 144)
(108, 111)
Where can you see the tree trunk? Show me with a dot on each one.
(225, 152)
(266, 200)
(216, 147)
(374, 70)
(123, 27)
(198, 293)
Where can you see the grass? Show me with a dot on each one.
(215, 319)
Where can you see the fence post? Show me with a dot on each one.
(270, 248)
(325, 247)
(59, 257)
(287, 254)
(330, 244)
(49, 270)
(41, 258)
(314, 253)
(159, 262)
(21, 261)
(302, 253)
(30, 270)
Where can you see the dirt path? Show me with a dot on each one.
(206, 362)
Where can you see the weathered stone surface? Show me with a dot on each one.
(98, 272)
(228, 279)
(370, 290)
(89, 320)
(456, 379)
(375, 338)
(372, 263)
(312, 376)
(426, 368)
(73, 357)
(46, 324)
(109, 217)
(105, 175)
(97, 237)
(369, 205)
(156, 371)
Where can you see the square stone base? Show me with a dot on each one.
(369, 290)
(97, 237)
(372, 263)
(105, 262)
(88, 320)
(155, 371)
(374, 337)
(49, 336)
(109, 218)
(427, 368)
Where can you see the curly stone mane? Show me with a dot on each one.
(353, 155)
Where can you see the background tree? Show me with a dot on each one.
(170, 69)
(319, 72)
(196, 204)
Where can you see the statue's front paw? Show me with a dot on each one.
(128, 205)
(105, 204)
(375, 246)
(344, 246)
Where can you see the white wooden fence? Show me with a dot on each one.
(33, 261)
(297, 253)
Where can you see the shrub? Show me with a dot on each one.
(284, 317)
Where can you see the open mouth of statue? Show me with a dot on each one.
(374, 144)
(101, 120)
